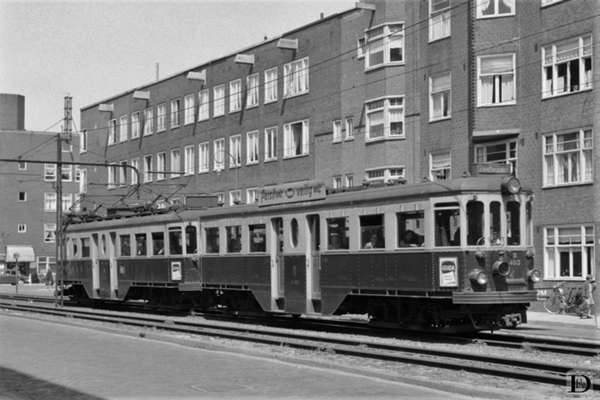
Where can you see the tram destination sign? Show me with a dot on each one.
(491, 169)
(292, 193)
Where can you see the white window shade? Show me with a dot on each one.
(497, 65)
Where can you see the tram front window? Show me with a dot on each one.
(513, 223)
(495, 224)
(337, 231)
(175, 245)
(447, 225)
(475, 224)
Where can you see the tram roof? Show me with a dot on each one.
(335, 199)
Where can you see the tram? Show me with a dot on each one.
(442, 256)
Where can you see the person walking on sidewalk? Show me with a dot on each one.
(589, 286)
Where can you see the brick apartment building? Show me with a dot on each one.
(28, 195)
(389, 89)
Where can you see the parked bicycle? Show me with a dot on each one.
(558, 302)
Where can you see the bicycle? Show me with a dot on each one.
(557, 302)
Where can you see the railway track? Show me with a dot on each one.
(507, 367)
(510, 341)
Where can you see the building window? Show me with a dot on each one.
(349, 180)
(271, 144)
(67, 173)
(135, 125)
(123, 173)
(50, 172)
(175, 113)
(568, 252)
(77, 174)
(439, 96)
(498, 152)
(112, 176)
(123, 129)
(112, 132)
(568, 158)
(203, 106)
(252, 88)
(83, 139)
(235, 95)
(385, 118)
(295, 78)
(251, 195)
(495, 8)
(337, 130)
(67, 201)
(188, 160)
(295, 139)
(219, 101)
(21, 228)
(203, 157)
(190, 107)
(235, 148)
(49, 233)
(439, 166)
(567, 66)
(361, 47)
(439, 19)
(271, 85)
(161, 117)
(175, 163)
(83, 181)
(384, 45)
(349, 125)
(548, 2)
(22, 196)
(385, 174)
(49, 201)
(337, 182)
(252, 147)
(148, 168)
(161, 165)
(220, 198)
(135, 163)
(235, 197)
(148, 121)
(496, 80)
(219, 154)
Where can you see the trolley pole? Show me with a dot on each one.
(59, 226)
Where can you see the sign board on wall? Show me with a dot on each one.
(291, 193)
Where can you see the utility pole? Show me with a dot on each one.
(60, 243)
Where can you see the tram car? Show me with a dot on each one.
(443, 256)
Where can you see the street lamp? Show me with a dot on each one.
(236, 200)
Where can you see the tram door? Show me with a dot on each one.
(314, 257)
(95, 250)
(277, 256)
(104, 266)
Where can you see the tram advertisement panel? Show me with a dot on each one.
(448, 271)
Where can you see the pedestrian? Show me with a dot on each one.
(49, 280)
(588, 288)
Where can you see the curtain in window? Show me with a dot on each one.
(567, 51)
(508, 92)
(487, 90)
(550, 170)
(439, 26)
(396, 122)
(376, 124)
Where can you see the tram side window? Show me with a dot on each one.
(85, 247)
(212, 240)
(234, 239)
(75, 249)
(140, 244)
(495, 224)
(191, 242)
(175, 245)
(411, 229)
(372, 232)
(513, 223)
(258, 238)
(125, 242)
(158, 243)
(337, 233)
(475, 218)
(447, 221)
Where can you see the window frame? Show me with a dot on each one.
(203, 157)
(161, 117)
(385, 35)
(135, 163)
(147, 168)
(481, 153)
(175, 164)
(161, 165)
(123, 132)
(175, 113)
(112, 132)
(585, 144)
(135, 125)
(296, 78)
(203, 105)
(271, 139)
(438, 93)
(50, 233)
(445, 168)
(271, 85)
(496, 14)
(219, 147)
(386, 109)
(50, 202)
(337, 131)
(189, 105)
(586, 249)
(253, 91)
(235, 151)
(252, 148)
(148, 121)
(550, 62)
(235, 96)
(439, 20)
(496, 82)
(303, 146)
(219, 101)
(189, 160)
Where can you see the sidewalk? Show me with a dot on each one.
(544, 318)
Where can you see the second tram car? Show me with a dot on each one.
(442, 256)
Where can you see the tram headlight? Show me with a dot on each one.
(501, 268)
(478, 277)
(511, 185)
(534, 276)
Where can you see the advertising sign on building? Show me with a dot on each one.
(291, 193)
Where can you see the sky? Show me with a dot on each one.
(94, 49)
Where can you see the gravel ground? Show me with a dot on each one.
(478, 386)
